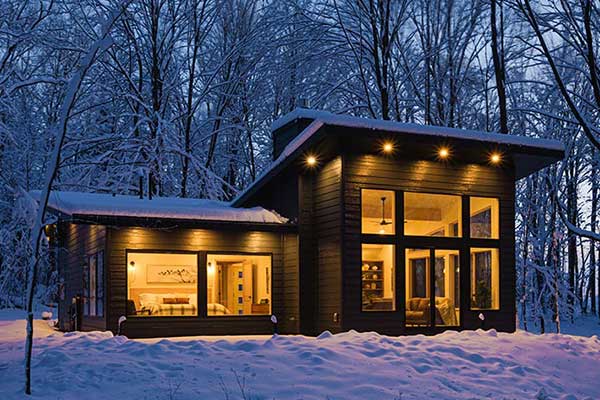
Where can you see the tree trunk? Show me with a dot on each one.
(60, 133)
(593, 244)
(572, 240)
(499, 70)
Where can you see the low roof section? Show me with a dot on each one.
(160, 212)
(314, 131)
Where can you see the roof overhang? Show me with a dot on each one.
(160, 212)
(176, 223)
(526, 154)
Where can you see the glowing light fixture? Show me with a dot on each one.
(132, 266)
(388, 147)
(311, 161)
(443, 152)
(495, 158)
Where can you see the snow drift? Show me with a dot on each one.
(467, 365)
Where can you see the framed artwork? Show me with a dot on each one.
(168, 273)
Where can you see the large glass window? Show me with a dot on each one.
(378, 274)
(417, 267)
(484, 218)
(447, 287)
(485, 279)
(162, 284)
(238, 284)
(377, 213)
(93, 285)
(428, 214)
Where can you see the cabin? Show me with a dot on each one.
(357, 224)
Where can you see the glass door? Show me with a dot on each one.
(432, 279)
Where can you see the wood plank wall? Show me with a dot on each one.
(399, 173)
(328, 227)
(284, 279)
(76, 243)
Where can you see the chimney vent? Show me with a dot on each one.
(304, 102)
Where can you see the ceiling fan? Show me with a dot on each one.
(383, 221)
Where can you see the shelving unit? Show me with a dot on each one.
(372, 280)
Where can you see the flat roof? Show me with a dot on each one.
(525, 150)
(349, 121)
(108, 205)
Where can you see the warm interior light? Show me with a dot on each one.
(381, 231)
(132, 266)
(311, 160)
(388, 147)
(443, 152)
(495, 158)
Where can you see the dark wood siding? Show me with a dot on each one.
(280, 195)
(400, 173)
(290, 321)
(307, 254)
(76, 243)
(327, 217)
(198, 240)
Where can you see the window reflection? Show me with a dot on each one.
(418, 311)
(484, 213)
(485, 279)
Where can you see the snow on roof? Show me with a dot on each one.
(348, 121)
(77, 203)
(321, 118)
(291, 148)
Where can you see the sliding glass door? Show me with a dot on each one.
(432, 278)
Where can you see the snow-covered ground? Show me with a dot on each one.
(467, 365)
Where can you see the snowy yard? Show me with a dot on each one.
(468, 365)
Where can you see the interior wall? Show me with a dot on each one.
(383, 253)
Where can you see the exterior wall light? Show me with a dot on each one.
(495, 158)
(443, 153)
(388, 147)
(311, 161)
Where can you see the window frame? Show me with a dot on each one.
(87, 293)
(395, 278)
(205, 282)
(473, 250)
(459, 220)
(159, 251)
(491, 216)
(401, 242)
(395, 224)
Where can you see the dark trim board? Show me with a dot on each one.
(175, 223)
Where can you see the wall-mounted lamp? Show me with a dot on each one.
(311, 161)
